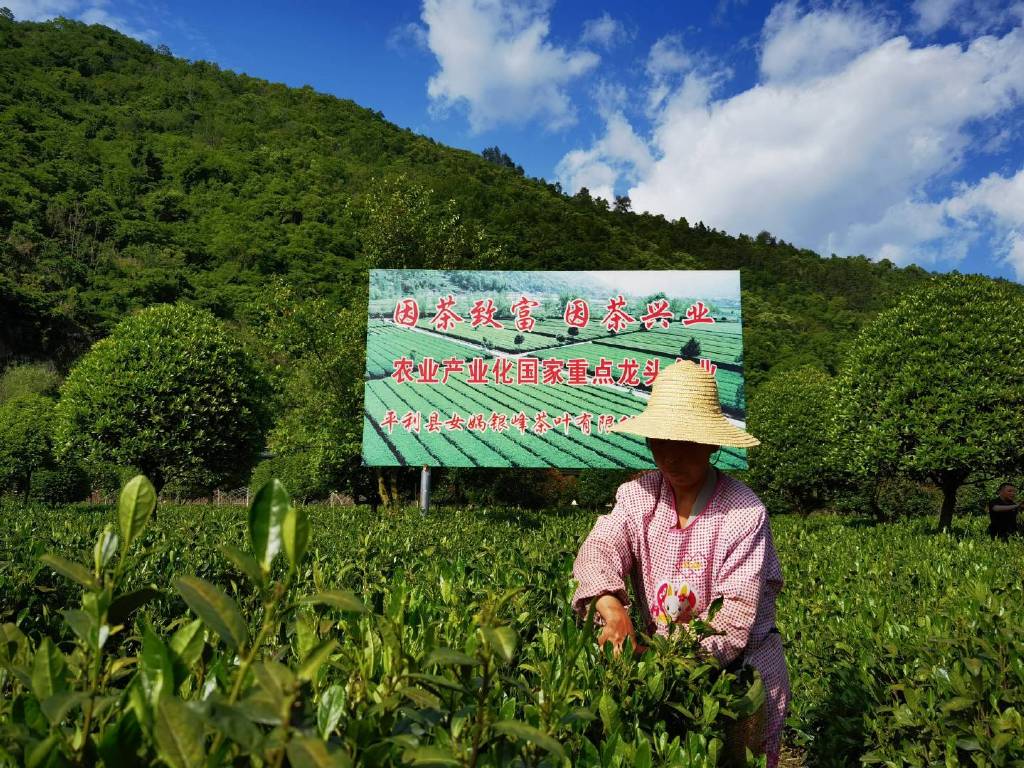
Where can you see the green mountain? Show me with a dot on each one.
(129, 177)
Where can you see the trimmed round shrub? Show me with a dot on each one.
(65, 483)
(789, 414)
(933, 388)
(170, 392)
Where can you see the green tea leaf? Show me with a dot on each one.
(609, 711)
(266, 513)
(44, 753)
(120, 741)
(957, 703)
(261, 707)
(306, 636)
(503, 640)
(49, 671)
(244, 562)
(578, 715)
(295, 533)
(304, 752)
(643, 755)
(421, 698)
(83, 625)
(342, 599)
(429, 756)
(187, 643)
(216, 609)
(437, 681)
(330, 710)
(447, 657)
(57, 707)
(316, 659)
(155, 668)
(179, 734)
(715, 607)
(275, 679)
(520, 731)
(106, 547)
(752, 700)
(69, 570)
(233, 723)
(134, 507)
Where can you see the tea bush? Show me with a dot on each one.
(315, 636)
(65, 482)
(903, 645)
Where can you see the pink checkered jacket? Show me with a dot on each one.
(726, 550)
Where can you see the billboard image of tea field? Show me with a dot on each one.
(531, 368)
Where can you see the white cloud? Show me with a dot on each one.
(495, 58)
(668, 57)
(909, 231)
(972, 17)
(40, 10)
(835, 150)
(610, 97)
(87, 11)
(996, 201)
(670, 65)
(619, 155)
(604, 31)
(797, 46)
(408, 35)
(1001, 196)
(932, 15)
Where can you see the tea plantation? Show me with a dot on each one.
(446, 640)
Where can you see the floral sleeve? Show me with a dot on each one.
(740, 583)
(605, 558)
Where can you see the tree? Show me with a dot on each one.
(26, 425)
(496, 156)
(169, 392)
(407, 227)
(690, 350)
(317, 439)
(933, 388)
(623, 204)
(788, 415)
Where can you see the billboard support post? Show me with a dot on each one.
(425, 489)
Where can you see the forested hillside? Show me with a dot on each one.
(129, 177)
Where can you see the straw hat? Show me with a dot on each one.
(684, 406)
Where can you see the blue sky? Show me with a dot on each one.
(889, 130)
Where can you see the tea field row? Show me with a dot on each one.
(904, 647)
(564, 445)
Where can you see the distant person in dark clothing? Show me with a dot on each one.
(1002, 512)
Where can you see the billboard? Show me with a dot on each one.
(531, 368)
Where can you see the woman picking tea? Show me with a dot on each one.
(687, 534)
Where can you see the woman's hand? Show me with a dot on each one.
(617, 624)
